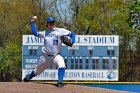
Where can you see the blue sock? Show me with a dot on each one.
(61, 73)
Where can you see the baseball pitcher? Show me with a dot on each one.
(53, 39)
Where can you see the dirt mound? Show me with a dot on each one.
(31, 87)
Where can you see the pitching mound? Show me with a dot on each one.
(30, 87)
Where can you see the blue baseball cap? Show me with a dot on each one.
(50, 19)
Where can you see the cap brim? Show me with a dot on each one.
(51, 22)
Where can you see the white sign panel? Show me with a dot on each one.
(103, 75)
(81, 40)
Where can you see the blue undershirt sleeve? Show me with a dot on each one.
(72, 35)
(34, 29)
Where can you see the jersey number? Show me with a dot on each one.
(55, 42)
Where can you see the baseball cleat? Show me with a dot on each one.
(28, 77)
(59, 84)
(25, 80)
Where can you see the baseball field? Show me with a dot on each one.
(33, 87)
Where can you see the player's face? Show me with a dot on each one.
(51, 25)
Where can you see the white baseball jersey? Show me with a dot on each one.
(52, 41)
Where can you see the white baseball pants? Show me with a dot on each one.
(46, 60)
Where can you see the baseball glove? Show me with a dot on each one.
(66, 40)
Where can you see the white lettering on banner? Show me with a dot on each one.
(73, 48)
(102, 75)
(96, 40)
(31, 60)
(29, 66)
